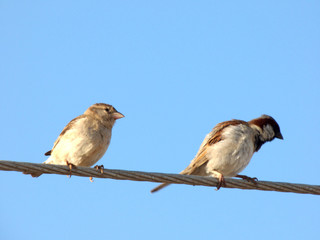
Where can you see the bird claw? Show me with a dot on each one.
(221, 183)
(97, 167)
(70, 165)
(253, 180)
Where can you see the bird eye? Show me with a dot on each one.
(107, 109)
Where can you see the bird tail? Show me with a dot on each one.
(36, 174)
(159, 187)
(33, 174)
(48, 161)
(163, 185)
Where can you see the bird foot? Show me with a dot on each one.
(70, 165)
(249, 179)
(221, 182)
(97, 167)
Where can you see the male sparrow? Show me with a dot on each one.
(85, 139)
(228, 148)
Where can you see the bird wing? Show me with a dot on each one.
(66, 128)
(213, 137)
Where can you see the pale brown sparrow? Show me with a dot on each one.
(85, 139)
(229, 147)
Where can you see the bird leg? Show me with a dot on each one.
(221, 182)
(97, 167)
(70, 165)
(249, 179)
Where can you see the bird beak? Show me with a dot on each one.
(279, 135)
(117, 115)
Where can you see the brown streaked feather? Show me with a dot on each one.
(66, 128)
(196, 163)
(214, 137)
(217, 130)
(48, 153)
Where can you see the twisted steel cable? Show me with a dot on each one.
(30, 168)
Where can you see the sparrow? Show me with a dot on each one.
(229, 147)
(85, 139)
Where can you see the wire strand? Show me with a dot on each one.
(36, 168)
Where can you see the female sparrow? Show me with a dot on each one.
(228, 148)
(85, 139)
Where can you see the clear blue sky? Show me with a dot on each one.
(174, 69)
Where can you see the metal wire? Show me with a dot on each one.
(36, 168)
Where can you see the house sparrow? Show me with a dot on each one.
(228, 148)
(85, 139)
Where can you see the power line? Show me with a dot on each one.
(37, 168)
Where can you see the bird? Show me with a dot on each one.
(85, 139)
(229, 147)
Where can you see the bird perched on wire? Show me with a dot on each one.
(85, 139)
(229, 147)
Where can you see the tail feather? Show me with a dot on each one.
(163, 185)
(159, 187)
(32, 174)
(35, 175)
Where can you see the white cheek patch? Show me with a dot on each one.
(268, 132)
